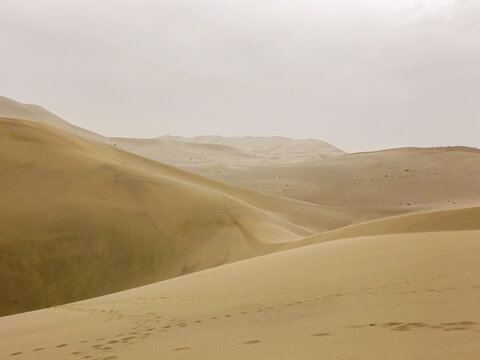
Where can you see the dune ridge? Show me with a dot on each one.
(460, 219)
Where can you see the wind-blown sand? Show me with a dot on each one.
(317, 254)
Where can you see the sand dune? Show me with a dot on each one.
(97, 219)
(423, 222)
(272, 147)
(366, 298)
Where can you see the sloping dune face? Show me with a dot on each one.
(79, 219)
(12, 109)
(391, 296)
(460, 219)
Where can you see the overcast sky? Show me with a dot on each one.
(360, 74)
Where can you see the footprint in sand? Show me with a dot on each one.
(181, 349)
(402, 328)
(61, 345)
(391, 323)
(39, 349)
(250, 342)
(321, 334)
(16, 353)
(417, 324)
(128, 338)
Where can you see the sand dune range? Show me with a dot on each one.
(98, 219)
(250, 274)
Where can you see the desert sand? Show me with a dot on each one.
(232, 248)
(366, 298)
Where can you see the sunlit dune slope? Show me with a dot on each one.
(430, 221)
(392, 296)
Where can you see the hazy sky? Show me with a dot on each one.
(360, 74)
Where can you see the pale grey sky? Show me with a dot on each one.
(360, 74)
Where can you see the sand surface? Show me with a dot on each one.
(253, 248)
(366, 298)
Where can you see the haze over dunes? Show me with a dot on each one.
(296, 248)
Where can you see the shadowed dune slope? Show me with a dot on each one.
(392, 296)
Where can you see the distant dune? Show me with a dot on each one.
(407, 179)
(254, 248)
